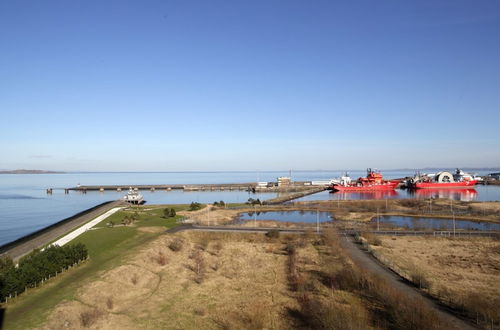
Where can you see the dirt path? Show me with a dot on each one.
(369, 263)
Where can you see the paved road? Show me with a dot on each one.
(368, 262)
(80, 230)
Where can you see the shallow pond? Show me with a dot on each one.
(288, 216)
(432, 223)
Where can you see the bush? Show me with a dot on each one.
(273, 234)
(419, 279)
(169, 213)
(252, 201)
(89, 317)
(37, 266)
(160, 258)
(372, 239)
(176, 245)
(195, 206)
(219, 204)
(198, 267)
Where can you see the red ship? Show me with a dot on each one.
(460, 180)
(373, 182)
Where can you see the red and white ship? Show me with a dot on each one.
(459, 180)
(373, 182)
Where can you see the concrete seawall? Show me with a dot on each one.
(24, 245)
(289, 197)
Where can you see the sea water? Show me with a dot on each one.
(26, 207)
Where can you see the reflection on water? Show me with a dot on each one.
(465, 195)
(479, 193)
(432, 223)
(288, 216)
(366, 195)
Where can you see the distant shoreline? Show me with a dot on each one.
(30, 172)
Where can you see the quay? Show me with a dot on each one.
(246, 186)
(292, 196)
(166, 187)
(44, 236)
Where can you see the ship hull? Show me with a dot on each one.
(441, 185)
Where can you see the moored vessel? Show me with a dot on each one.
(443, 179)
(133, 197)
(373, 182)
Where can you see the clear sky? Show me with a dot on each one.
(249, 85)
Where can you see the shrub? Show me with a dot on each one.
(169, 213)
(419, 278)
(88, 318)
(252, 201)
(330, 315)
(176, 245)
(198, 266)
(218, 246)
(36, 266)
(372, 239)
(273, 234)
(109, 303)
(160, 258)
(195, 206)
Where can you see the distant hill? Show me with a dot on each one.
(29, 172)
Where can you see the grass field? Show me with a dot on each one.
(107, 247)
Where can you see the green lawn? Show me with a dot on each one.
(107, 248)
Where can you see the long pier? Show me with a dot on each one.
(246, 186)
(153, 187)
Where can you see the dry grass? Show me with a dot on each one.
(236, 281)
(463, 273)
(238, 284)
(88, 318)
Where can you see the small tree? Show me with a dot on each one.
(194, 206)
(166, 213)
(172, 213)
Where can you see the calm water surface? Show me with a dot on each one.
(288, 216)
(480, 193)
(434, 223)
(25, 207)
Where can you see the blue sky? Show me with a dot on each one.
(249, 85)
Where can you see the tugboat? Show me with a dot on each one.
(373, 182)
(133, 197)
(443, 179)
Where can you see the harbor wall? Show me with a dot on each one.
(24, 245)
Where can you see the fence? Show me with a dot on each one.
(44, 280)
